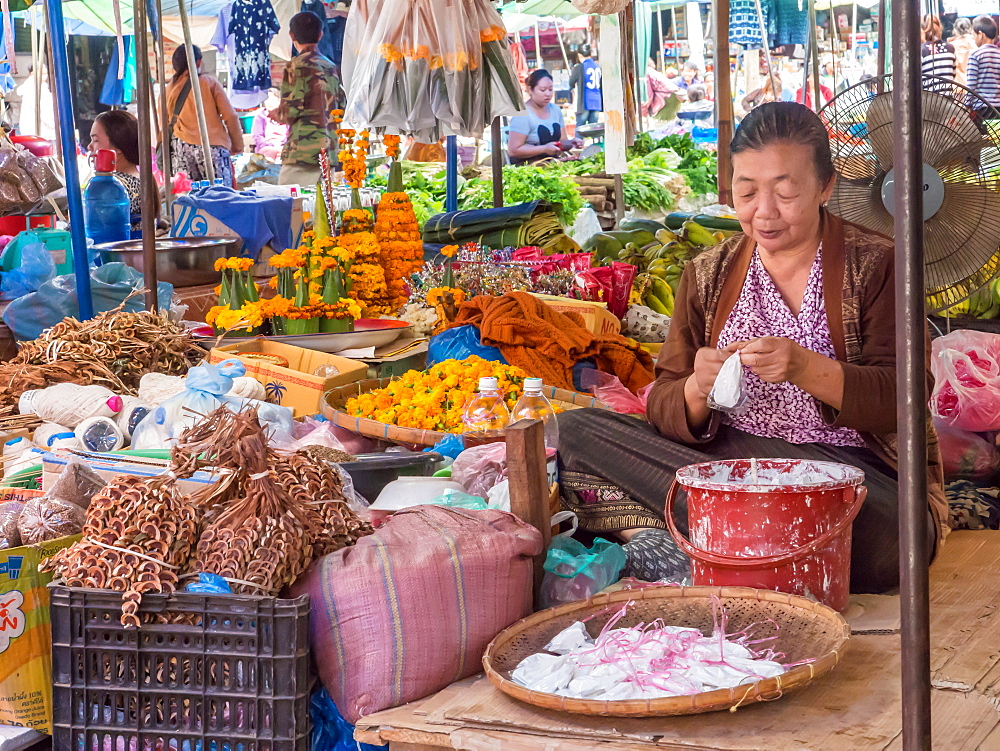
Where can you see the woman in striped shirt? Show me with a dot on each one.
(938, 58)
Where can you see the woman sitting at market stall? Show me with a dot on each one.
(540, 133)
(808, 300)
(118, 131)
(225, 136)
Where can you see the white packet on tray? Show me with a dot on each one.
(728, 393)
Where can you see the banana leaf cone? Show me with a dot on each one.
(321, 218)
(395, 182)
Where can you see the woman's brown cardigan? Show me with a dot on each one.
(857, 274)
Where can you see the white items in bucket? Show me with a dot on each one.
(729, 391)
(70, 404)
(100, 434)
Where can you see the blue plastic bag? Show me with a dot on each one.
(110, 284)
(449, 447)
(205, 390)
(575, 572)
(35, 269)
(459, 343)
(209, 584)
(331, 732)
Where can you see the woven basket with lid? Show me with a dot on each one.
(806, 630)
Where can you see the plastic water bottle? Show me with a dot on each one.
(105, 203)
(534, 406)
(486, 415)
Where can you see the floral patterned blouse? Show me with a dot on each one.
(783, 410)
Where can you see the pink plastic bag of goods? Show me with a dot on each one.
(966, 367)
(610, 390)
(966, 455)
(411, 608)
(480, 468)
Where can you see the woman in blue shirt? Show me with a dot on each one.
(540, 132)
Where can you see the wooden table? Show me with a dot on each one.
(854, 708)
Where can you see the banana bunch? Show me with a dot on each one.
(655, 293)
(984, 303)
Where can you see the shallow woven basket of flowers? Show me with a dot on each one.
(336, 398)
(806, 631)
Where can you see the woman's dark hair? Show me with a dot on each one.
(180, 62)
(536, 77)
(985, 25)
(786, 122)
(306, 27)
(122, 130)
(696, 92)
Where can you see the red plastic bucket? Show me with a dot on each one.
(787, 528)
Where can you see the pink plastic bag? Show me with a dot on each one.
(480, 468)
(966, 455)
(966, 367)
(411, 608)
(610, 390)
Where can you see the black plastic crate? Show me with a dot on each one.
(234, 676)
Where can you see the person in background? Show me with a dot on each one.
(268, 134)
(691, 74)
(769, 91)
(697, 107)
(540, 133)
(225, 136)
(825, 94)
(983, 74)
(964, 43)
(310, 90)
(710, 85)
(659, 88)
(585, 80)
(118, 131)
(937, 57)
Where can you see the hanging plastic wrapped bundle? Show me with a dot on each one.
(428, 68)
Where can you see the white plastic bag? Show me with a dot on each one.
(729, 391)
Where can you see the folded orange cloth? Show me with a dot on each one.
(547, 344)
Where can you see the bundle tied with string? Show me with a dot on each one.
(45, 432)
(258, 527)
(70, 404)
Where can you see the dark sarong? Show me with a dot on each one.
(615, 471)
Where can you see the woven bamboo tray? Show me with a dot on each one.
(336, 398)
(807, 631)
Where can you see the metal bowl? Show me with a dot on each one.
(182, 261)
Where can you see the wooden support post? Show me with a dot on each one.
(619, 198)
(529, 488)
(199, 105)
(723, 101)
(496, 162)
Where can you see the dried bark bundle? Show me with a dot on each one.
(137, 538)
(17, 377)
(274, 516)
(118, 347)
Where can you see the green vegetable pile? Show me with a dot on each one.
(699, 166)
(527, 183)
(424, 183)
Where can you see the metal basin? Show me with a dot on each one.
(182, 261)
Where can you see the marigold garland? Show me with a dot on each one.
(402, 249)
(435, 399)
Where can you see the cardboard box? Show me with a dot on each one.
(295, 386)
(596, 316)
(25, 640)
(389, 365)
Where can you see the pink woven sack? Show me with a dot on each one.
(411, 608)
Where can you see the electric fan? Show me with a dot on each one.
(961, 155)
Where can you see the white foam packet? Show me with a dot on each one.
(729, 392)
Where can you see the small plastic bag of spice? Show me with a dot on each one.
(10, 512)
(46, 519)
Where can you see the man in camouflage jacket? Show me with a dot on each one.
(309, 91)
